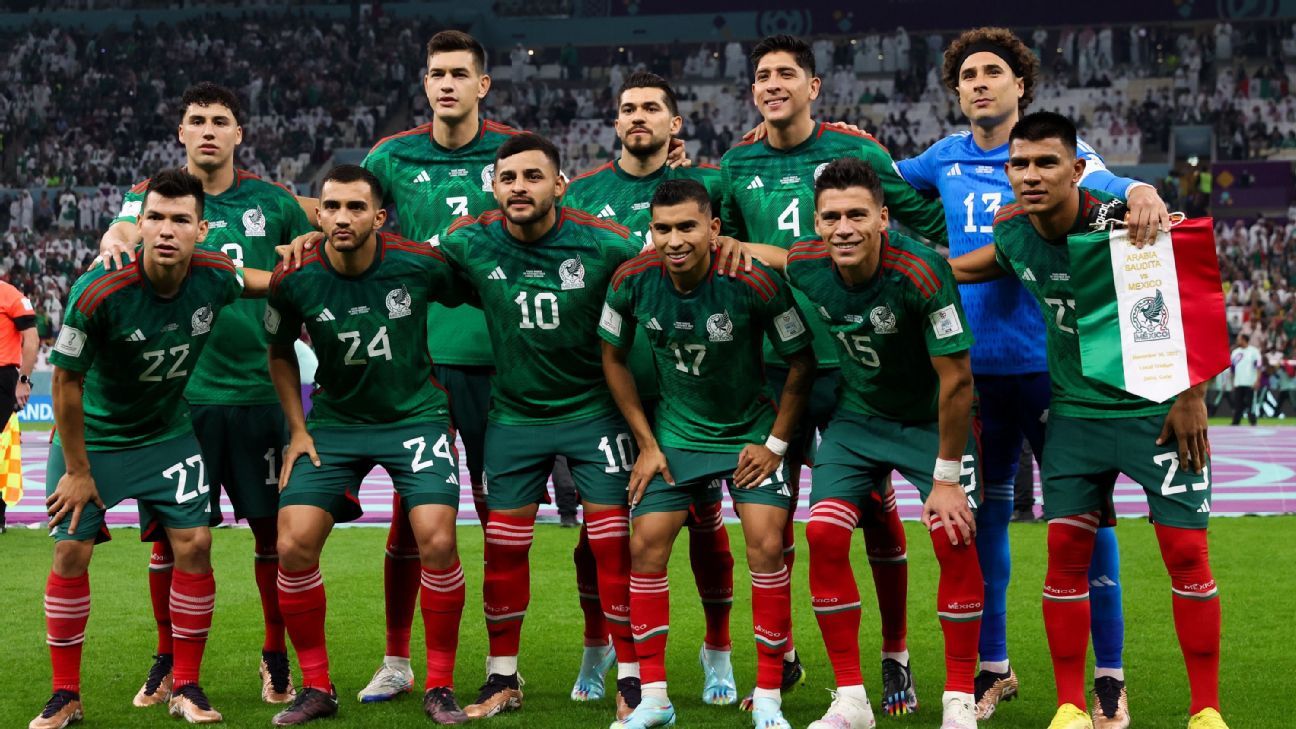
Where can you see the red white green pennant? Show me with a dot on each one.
(1151, 320)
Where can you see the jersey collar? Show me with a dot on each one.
(803, 146)
(373, 266)
(621, 173)
(481, 132)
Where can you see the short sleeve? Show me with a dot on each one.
(924, 216)
(15, 304)
(731, 221)
(132, 205)
(282, 320)
(617, 322)
(785, 325)
(920, 171)
(947, 327)
(78, 339)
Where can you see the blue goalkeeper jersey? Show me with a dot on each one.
(973, 185)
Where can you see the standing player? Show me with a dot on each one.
(363, 298)
(434, 174)
(1096, 431)
(892, 308)
(768, 196)
(236, 415)
(716, 422)
(621, 190)
(127, 348)
(540, 272)
(993, 74)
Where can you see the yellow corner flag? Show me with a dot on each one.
(11, 485)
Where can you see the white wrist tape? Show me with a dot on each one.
(776, 446)
(947, 470)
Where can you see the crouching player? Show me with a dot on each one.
(363, 297)
(715, 421)
(126, 350)
(904, 403)
(1096, 431)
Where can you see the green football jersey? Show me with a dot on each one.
(706, 348)
(138, 350)
(611, 193)
(889, 328)
(542, 302)
(369, 332)
(768, 197)
(245, 222)
(1044, 268)
(432, 187)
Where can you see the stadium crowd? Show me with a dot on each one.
(69, 116)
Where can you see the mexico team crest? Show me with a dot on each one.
(254, 223)
(883, 319)
(1151, 319)
(202, 320)
(488, 177)
(398, 303)
(572, 273)
(719, 327)
(819, 171)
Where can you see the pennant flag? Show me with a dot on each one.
(1151, 320)
(11, 477)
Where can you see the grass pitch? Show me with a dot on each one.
(1253, 561)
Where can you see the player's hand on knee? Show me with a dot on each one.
(300, 445)
(948, 503)
(678, 154)
(70, 496)
(731, 255)
(1186, 423)
(293, 253)
(755, 464)
(648, 465)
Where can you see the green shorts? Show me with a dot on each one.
(859, 451)
(697, 477)
(600, 454)
(470, 390)
(1084, 456)
(168, 481)
(242, 446)
(420, 458)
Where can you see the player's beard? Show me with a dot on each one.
(357, 240)
(648, 149)
(539, 210)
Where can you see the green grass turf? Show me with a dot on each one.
(1252, 557)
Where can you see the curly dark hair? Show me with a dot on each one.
(1023, 61)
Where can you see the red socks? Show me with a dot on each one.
(960, 596)
(1066, 602)
(442, 602)
(887, 554)
(303, 604)
(193, 599)
(506, 585)
(400, 580)
(266, 569)
(650, 613)
(161, 561)
(712, 571)
(596, 630)
(67, 608)
(1196, 610)
(834, 594)
(772, 623)
(609, 540)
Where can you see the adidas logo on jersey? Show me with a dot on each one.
(497, 275)
(136, 336)
(423, 176)
(954, 171)
(607, 212)
(756, 183)
(1028, 275)
(653, 325)
(1204, 508)
(324, 316)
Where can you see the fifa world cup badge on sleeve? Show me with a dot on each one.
(1151, 320)
(70, 341)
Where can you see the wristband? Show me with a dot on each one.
(947, 470)
(776, 446)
